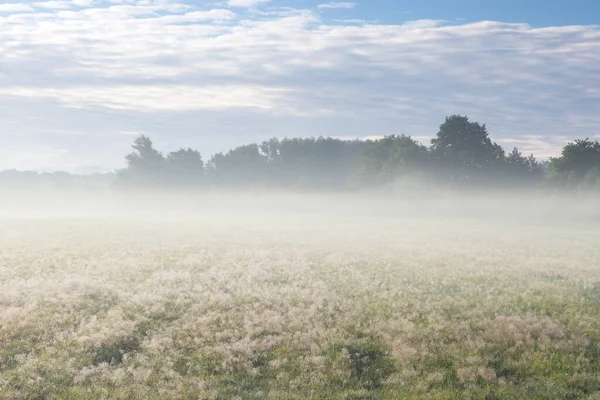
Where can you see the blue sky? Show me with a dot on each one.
(79, 79)
(534, 12)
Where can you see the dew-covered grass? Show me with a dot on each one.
(323, 305)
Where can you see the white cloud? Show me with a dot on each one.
(212, 15)
(334, 5)
(543, 146)
(14, 7)
(157, 97)
(54, 4)
(247, 3)
(83, 3)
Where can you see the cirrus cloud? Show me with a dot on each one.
(247, 3)
(334, 5)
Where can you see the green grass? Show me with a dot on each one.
(384, 310)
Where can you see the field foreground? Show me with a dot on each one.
(313, 304)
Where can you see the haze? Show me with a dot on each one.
(386, 294)
(277, 199)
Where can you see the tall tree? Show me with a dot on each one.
(145, 166)
(464, 152)
(145, 157)
(577, 160)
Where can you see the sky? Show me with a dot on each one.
(80, 79)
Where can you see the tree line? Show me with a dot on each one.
(462, 154)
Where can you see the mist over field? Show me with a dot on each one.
(275, 199)
(256, 294)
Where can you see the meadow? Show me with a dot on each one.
(326, 298)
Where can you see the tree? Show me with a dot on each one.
(186, 167)
(145, 157)
(390, 158)
(522, 171)
(270, 149)
(243, 166)
(322, 163)
(298, 163)
(577, 160)
(591, 180)
(145, 166)
(464, 152)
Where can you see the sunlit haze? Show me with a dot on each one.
(276, 199)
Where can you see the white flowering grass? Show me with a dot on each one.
(326, 305)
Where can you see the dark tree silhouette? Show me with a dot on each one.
(522, 171)
(578, 165)
(461, 154)
(145, 166)
(464, 152)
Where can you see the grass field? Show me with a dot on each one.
(327, 305)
